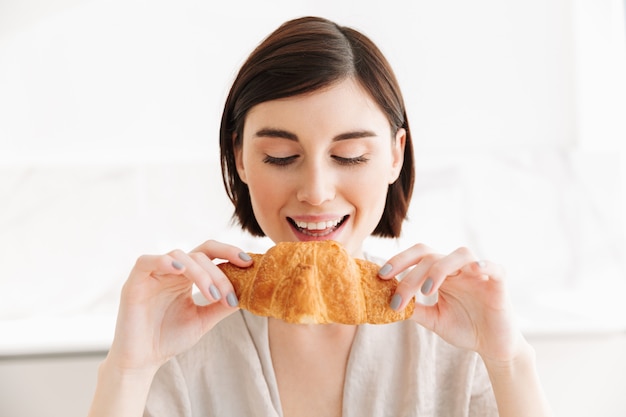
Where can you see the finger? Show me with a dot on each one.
(213, 249)
(448, 266)
(194, 272)
(212, 314)
(488, 269)
(425, 315)
(218, 250)
(410, 284)
(219, 286)
(403, 260)
(147, 265)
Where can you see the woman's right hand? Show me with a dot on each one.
(157, 316)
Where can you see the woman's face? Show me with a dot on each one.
(318, 166)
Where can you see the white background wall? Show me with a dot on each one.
(109, 113)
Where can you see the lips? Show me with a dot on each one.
(317, 229)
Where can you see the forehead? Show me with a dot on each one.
(343, 105)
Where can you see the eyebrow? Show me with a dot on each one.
(284, 134)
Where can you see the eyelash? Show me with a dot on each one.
(279, 161)
(351, 161)
(288, 160)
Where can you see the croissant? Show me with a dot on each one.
(314, 282)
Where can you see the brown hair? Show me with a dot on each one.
(301, 56)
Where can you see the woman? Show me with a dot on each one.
(316, 145)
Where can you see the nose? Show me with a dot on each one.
(316, 184)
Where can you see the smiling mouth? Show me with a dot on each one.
(317, 229)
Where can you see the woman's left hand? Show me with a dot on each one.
(472, 310)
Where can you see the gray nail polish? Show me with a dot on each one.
(427, 286)
(385, 270)
(177, 265)
(232, 300)
(396, 300)
(215, 292)
(244, 256)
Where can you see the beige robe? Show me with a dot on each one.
(394, 370)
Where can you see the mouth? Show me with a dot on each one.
(317, 229)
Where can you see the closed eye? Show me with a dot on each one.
(272, 160)
(351, 161)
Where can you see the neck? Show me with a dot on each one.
(311, 334)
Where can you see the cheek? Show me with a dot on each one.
(368, 190)
(266, 192)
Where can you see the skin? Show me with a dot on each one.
(334, 156)
(317, 167)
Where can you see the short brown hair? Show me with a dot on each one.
(301, 56)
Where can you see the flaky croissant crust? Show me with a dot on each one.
(314, 282)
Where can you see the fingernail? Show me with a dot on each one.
(232, 300)
(385, 270)
(427, 286)
(215, 292)
(481, 264)
(244, 257)
(177, 265)
(396, 300)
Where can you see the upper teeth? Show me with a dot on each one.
(318, 225)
